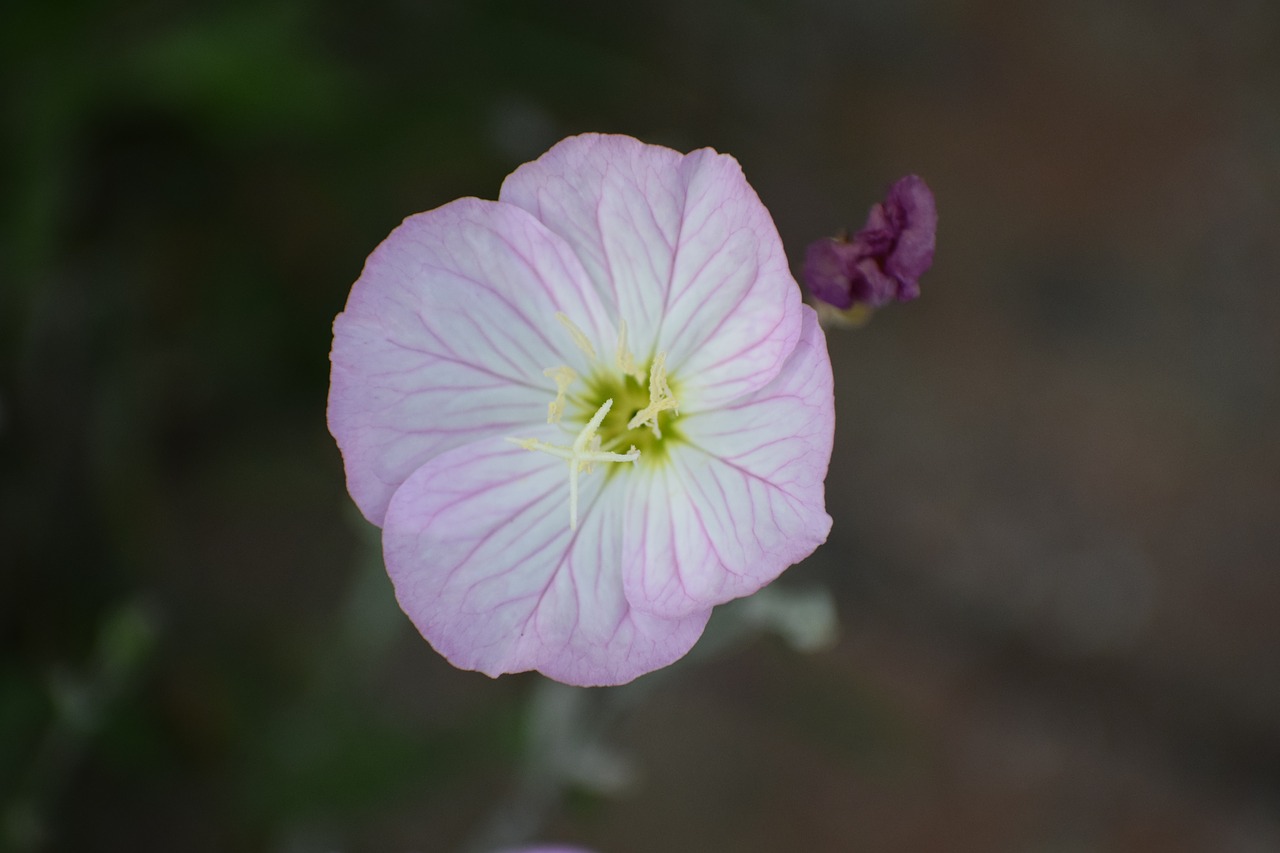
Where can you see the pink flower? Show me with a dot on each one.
(586, 413)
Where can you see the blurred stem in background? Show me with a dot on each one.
(567, 729)
(81, 704)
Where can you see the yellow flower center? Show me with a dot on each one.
(621, 406)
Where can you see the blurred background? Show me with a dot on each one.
(1056, 485)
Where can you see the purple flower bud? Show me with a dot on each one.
(884, 261)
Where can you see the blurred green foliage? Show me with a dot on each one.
(189, 191)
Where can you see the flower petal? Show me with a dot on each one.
(681, 248)
(445, 338)
(743, 496)
(478, 545)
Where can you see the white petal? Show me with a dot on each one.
(445, 338)
(681, 248)
(742, 496)
(478, 545)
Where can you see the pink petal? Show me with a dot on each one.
(681, 248)
(743, 496)
(445, 338)
(478, 545)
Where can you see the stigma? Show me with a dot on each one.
(580, 455)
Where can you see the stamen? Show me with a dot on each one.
(584, 451)
(660, 397)
(579, 337)
(564, 376)
(623, 358)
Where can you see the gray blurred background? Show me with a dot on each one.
(1056, 553)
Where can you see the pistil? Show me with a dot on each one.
(580, 455)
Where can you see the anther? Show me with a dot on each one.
(579, 337)
(660, 397)
(563, 376)
(623, 358)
